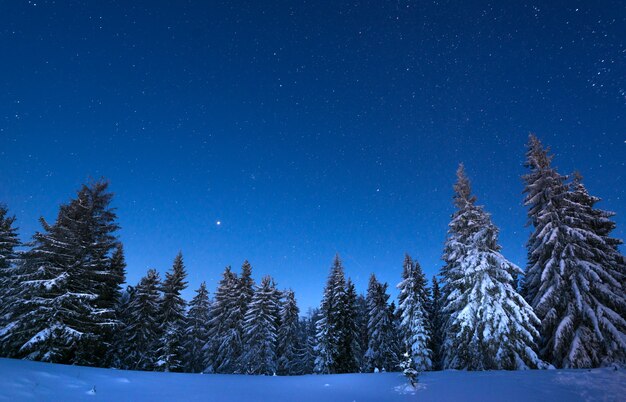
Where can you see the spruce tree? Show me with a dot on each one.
(224, 345)
(48, 313)
(288, 336)
(62, 314)
(119, 345)
(172, 319)
(381, 351)
(408, 369)
(142, 332)
(349, 349)
(575, 273)
(9, 242)
(489, 325)
(102, 266)
(197, 333)
(307, 335)
(600, 280)
(111, 300)
(436, 325)
(244, 293)
(9, 288)
(412, 309)
(361, 323)
(397, 343)
(545, 197)
(260, 331)
(330, 330)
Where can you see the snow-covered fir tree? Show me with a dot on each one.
(436, 325)
(598, 222)
(307, 336)
(575, 275)
(61, 314)
(397, 346)
(596, 332)
(382, 350)
(170, 353)
(489, 325)
(545, 192)
(9, 242)
(197, 332)
(289, 344)
(9, 287)
(362, 318)
(408, 369)
(244, 293)
(116, 356)
(103, 266)
(143, 329)
(225, 343)
(412, 309)
(349, 349)
(330, 335)
(111, 300)
(260, 330)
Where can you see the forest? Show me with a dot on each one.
(65, 300)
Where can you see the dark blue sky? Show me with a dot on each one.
(306, 128)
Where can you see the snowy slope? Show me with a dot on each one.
(30, 381)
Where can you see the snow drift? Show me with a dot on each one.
(31, 381)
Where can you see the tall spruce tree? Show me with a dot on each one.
(436, 325)
(119, 345)
(349, 349)
(260, 330)
(143, 329)
(111, 300)
(172, 318)
(489, 325)
(575, 273)
(330, 326)
(224, 345)
(289, 344)
(102, 265)
(362, 318)
(244, 293)
(545, 197)
(413, 312)
(307, 353)
(63, 315)
(381, 353)
(397, 344)
(9, 258)
(197, 332)
(9, 242)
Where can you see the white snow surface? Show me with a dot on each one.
(32, 381)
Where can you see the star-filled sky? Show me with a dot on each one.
(305, 128)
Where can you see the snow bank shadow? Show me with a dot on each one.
(596, 385)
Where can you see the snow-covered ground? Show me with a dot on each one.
(30, 381)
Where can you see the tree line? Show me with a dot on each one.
(63, 298)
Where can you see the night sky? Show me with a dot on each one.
(304, 128)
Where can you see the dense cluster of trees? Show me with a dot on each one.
(63, 299)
